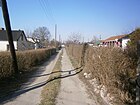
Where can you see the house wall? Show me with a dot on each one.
(31, 45)
(37, 46)
(124, 43)
(22, 43)
(34, 43)
(4, 47)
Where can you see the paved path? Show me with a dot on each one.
(30, 94)
(72, 91)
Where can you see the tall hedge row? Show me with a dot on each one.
(25, 59)
(111, 66)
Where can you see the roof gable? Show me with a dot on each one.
(16, 35)
(33, 40)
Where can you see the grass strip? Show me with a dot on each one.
(50, 91)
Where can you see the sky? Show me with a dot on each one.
(90, 18)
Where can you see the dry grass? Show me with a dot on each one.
(112, 67)
(25, 59)
(51, 90)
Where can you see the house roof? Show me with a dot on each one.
(113, 38)
(16, 34)
(33, 40)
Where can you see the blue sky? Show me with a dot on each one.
(88, 17)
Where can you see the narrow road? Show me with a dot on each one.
(72, 91)
(30, 94)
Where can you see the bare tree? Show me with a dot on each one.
(74, 38)
(52, 43)
(28, 33)
(95, 40)
(43, 34)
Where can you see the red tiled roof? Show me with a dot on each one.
(114, 37)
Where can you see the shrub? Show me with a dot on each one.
(134, 37)
(25, 59)
(111, 66)
(5, 64)
(132, 45)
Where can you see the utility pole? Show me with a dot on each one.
(59, 38)
(10, 37)
(60, 41)
(100, 37)
(55, 34)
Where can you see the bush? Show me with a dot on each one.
(134, 37)
(111, 66)
(133, 44)
(25, 59)
(5, 64)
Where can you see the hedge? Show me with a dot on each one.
(26, 60)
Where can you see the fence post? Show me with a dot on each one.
(138, 75)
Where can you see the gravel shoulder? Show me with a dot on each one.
(72, 90)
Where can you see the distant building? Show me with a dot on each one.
(116, 41)
(35, 43)
(19, 40)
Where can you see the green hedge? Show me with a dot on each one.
(25, 59)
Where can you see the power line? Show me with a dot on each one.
(45, 5)
(46, 8)
(50, 9)
(42, 6)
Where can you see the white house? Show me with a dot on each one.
(116, 41)
(35, 42)
(19, 40)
